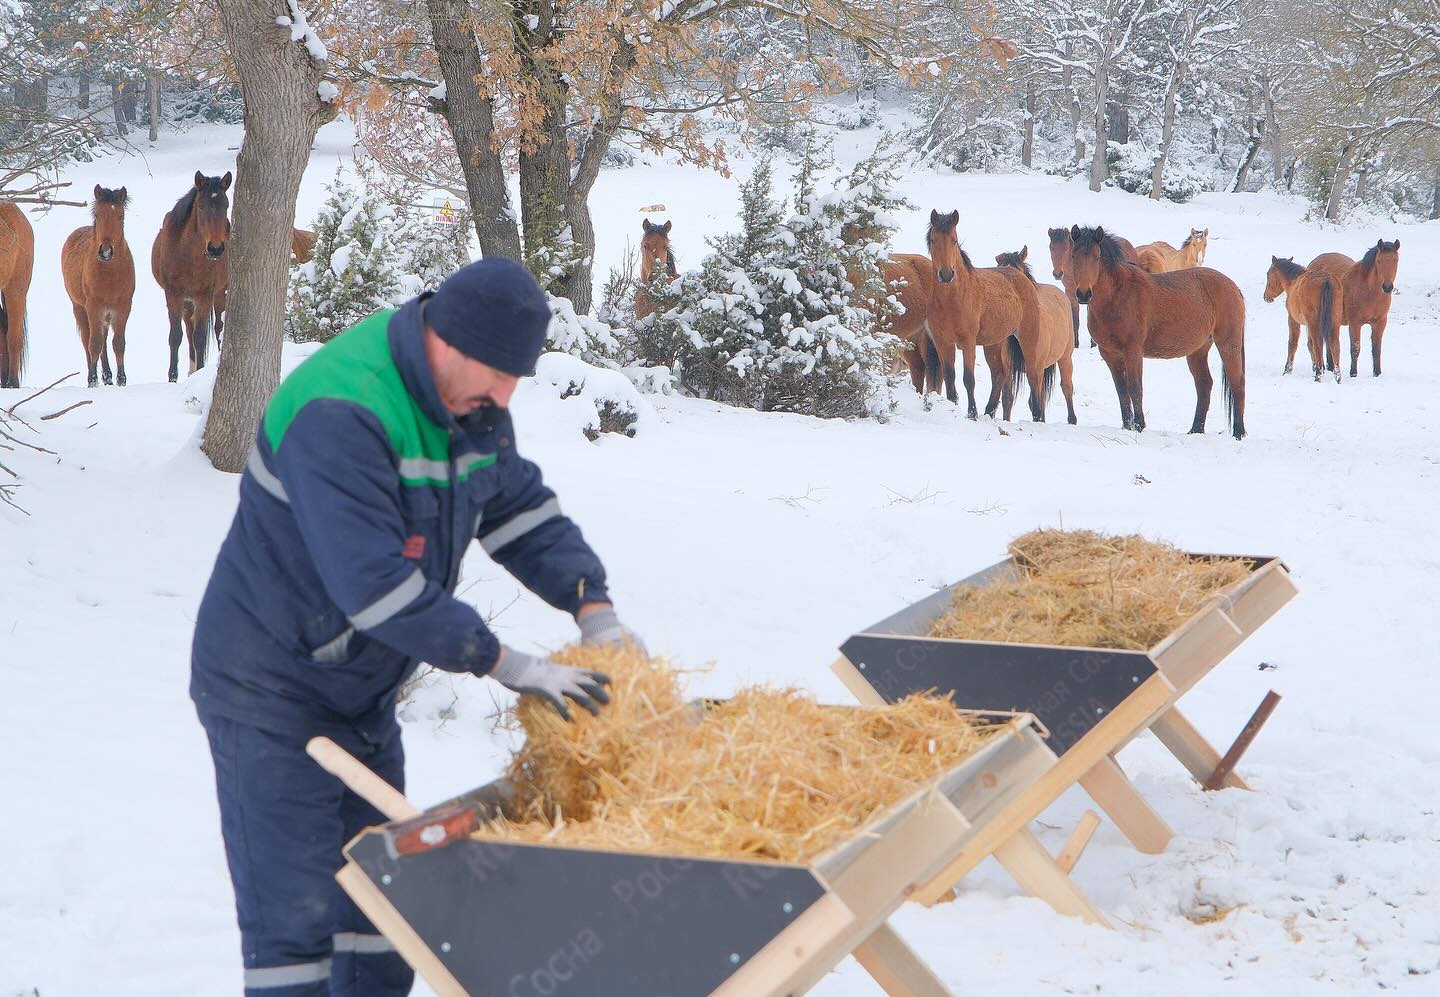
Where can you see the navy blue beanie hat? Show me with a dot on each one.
(492, 311)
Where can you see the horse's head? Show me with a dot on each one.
(944, 245)
(108, 210)
(1385, 258)
(1016, 260)
(1087, 249)
(212, 212)
(1275, 282)
(1059, 251)
(1199, 241)
(655, 251)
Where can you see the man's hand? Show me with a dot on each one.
(599, 625)
(529, 675)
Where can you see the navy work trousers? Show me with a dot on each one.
(285, 820)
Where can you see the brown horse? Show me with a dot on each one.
(972, 308)
(1367, 289)
(17, 263)
(1060, 263)
(1314, 299)
(910, 278)
(189, 263)
(302, 244)
(1133, 314)
(1051, 349)
(99, 277)
(1161, 257)
(655, 255)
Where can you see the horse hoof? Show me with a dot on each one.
(1288, 369)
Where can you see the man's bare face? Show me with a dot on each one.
(465, 384)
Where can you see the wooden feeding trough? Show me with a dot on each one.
(1092, 701)
(483, 915)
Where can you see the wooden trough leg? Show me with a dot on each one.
(1190, 747)
(896, 967)
(1247, 734)
(1030, 864)
(1117, 796)
(1078, 840)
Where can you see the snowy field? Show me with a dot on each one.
(759, 542)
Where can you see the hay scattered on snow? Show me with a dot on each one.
(1084, 589)
(767, 774)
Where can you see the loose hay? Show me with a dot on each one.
(767, 774)
(1083, 589)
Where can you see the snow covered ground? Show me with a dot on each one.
(759, 542)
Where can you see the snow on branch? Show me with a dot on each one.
(301, 31)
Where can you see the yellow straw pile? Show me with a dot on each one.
(767, 774)
(1084, 589)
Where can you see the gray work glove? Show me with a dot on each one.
(527, 674)
(604, 627)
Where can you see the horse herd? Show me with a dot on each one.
(1154, 301)
(187, 259)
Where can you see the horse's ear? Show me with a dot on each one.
(1024, 253)
(1074, 231)
(1397, 245)
(647, 226)
(199, 180)
(123, 196)
(1274, 259)
(99, 192)
(665, 228)
(1099, 233)
(955, 217)
(934, 216)
(1206, 233)
(225, 180)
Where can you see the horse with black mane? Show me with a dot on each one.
(1048, 348)
(189, 263)
(1134, 314)
(1314, 299)
(1368, 286)
(1060, 265)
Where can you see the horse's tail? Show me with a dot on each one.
(1048, 384)
(1017, 364)
(1326, 320)
(1227, 395)
(204, 331)
(932, 360)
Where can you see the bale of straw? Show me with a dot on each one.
(767, 774)
(1084, 589)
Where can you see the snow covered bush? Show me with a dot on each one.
(369, 254)
(780, 316)
(1130, 167)
(602, 401)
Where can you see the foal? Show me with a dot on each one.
(99, 275)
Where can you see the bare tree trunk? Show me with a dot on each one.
(115, 106)
(1257, 134)
(1272, 126)
(471, 118)
(1342, 179)
(1117, 121)
(1362, 184)
(84, 92)
(1099, 169)
(152, 93)
(1167, 130)
(1435, 196)
(278, 81)
(130, 101)
(1067, 77)
(1027, 146)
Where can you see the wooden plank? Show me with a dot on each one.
(388, 922)
(360, 780)
(896, 967)
(1129, 717)
(1252, 727)
(1079, 838)
(855, 681)
(1112, 789)
(1192, 652)
(1272, 588)
(1025, 859)
(794, 951)
(1190, 746)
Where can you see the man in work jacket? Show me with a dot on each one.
(377, 462)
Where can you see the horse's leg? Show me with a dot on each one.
(15, 325)
(119, 319)
(82, 325)
(191, 311)
(1067, 385)
(204, 328)
(1075, 320)
(219, 314)
(1116, 362)
(1199, 362)
(999, 381)
(95, 315)
(1377, 333)
(173, 308)
(1134, 368)
(969, 358)
(1294, 344)
(933, 366)
(1317, 351)
(1355, 330)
